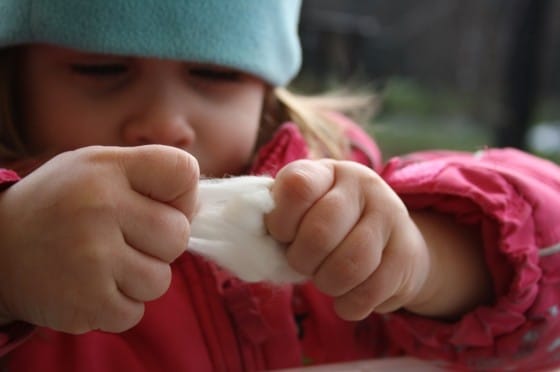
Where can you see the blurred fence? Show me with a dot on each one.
(501, 56)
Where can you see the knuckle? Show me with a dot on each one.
(146, 281)
(340, 276)
(185, 169)
(317, 236)
(365, 175)
(179, 243)
(306, 254)
(182, 233)
(337, 199)
(92, 258)
(92, 199)
(349, 267)
(363, 299)
(120, 318)
(297, 184)
(173, 229)
(158, 280)
(305, 260)
(186, 165)
(352, 307)
(298, 263)
(302, 260)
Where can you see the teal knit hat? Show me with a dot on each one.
(256, 36)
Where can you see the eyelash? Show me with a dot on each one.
(100, 70)
(215, 75)
(115, 70)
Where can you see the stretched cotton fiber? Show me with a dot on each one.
(229, 230)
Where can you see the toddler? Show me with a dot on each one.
(111, 111)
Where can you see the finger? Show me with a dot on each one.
(363, 299)
(141, 277)
(163, 173)
(118, 314)
(154, 228)
(379, 288)
(323, 228)
(353, 261)
(296, 188)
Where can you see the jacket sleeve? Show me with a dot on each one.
(514, 198)
(7, 178)
(13, 334)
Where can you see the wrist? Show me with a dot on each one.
(458, 279)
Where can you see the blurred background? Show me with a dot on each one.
(451, 74)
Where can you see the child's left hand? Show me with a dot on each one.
(350, 232)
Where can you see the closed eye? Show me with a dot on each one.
(216, 74)
(99, 69)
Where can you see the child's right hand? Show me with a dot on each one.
(88, 237)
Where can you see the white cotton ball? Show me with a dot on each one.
(228, 229)
(246, 210)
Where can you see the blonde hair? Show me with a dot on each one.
(314, 117)
(310, 113)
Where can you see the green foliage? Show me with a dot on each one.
(414, 117)
(406, 96)
(397, 136)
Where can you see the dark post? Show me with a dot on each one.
(522, 71)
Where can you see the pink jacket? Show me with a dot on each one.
(211, 321)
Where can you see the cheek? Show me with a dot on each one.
(230, 135)
(46, 120)
(47, 114)
(58, 127)
(58, 121)
(231, 149)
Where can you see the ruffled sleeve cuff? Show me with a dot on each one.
(515, 200)
(7, 178)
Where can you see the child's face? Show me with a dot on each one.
(73, 99)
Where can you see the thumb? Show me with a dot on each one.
(163, 173)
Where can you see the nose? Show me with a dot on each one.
(160, 119)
